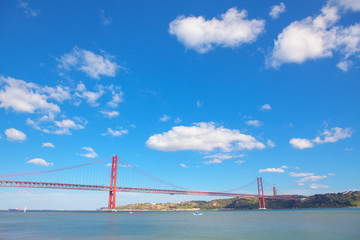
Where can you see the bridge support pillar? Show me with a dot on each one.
(261, 194)
(112, 192)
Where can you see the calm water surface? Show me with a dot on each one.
(269, 224)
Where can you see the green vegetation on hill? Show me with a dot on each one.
(328, 200)
(332, 200)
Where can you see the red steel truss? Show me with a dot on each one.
(25, 184)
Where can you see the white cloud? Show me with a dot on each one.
(104, 20)
(353, 5)
(266, 107)
(292, 174)
(276, 10)
(254, 123)
(199, 103)
(115, 133)
(306, 177)
(344, 65)
(110, 114)
(316, 186)
(28, 10)
(203, 137)
(177, 120)
(301, 143)
(93, 65)
(331, 174)
(47, 124)
(284, 167)
(348, 149)
(89, 96)
(220, 157)
(59, 93)
(272, 170)
(231, 30)
(314, 38)
(334, 135)
(48, 144)
(91, 153)
(68, 123)
(183, 165)
(270, 143)
(165, 118)
(239, 162)
(40, 161)
(13, 134)
(24, 97)
(117, 96)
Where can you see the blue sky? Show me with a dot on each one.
(208, 95)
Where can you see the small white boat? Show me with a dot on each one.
(25, 209)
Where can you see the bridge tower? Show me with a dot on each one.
(261, 191)
(112, 192)
(274, 190)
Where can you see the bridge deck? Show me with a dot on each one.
(25, 184)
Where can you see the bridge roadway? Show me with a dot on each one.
(25, 184)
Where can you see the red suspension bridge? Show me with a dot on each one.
(7, 180)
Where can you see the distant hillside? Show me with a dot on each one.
(328, 200)
(332, 200)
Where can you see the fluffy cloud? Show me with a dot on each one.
(48, 124)
(91, 153)
(88, 62)
(353, 5)
(202, 137)
(333, 135)
(231, 30)
(270, 143)
(272, 170)
(199, 103)
(276, 10)
(26, 97)
(110, 114)
(89, 96)
(117, 96)
(301, 143)
(40, 161)
(115, 133)
(266, 107)
(48, 144)
(68, 124)
(13, 134)
(220, 157)
(316, 37)
(254, 123)
(165, 118)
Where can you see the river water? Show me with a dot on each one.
(253, 224)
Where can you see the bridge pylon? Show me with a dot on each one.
(261, 194)
(112, 192)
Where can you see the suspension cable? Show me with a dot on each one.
(244, 186)
(142, 172)
(53, 170)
